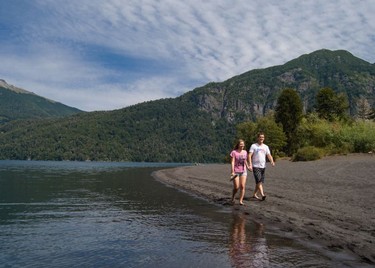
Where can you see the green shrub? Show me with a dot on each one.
(338, 137)
(308, 153)
(361, 135)
(314, 131)
(343, 149)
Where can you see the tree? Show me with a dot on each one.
(342, 106)
(247, 132)
(372, 114)
(289, 114)
(363, 109)
(330, 105)
(275, 136)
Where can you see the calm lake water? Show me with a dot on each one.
(79, 214)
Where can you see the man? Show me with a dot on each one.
(257, 163)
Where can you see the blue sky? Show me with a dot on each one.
(109, 54)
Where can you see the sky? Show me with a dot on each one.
(98, 55)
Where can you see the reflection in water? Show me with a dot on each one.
(68, 214)
(248, 248)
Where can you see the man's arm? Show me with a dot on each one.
(271, 159)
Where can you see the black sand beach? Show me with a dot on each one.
(328, 201)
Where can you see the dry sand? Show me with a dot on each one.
(328, 201)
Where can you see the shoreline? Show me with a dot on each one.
(327, 201)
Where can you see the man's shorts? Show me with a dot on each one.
(259, 174)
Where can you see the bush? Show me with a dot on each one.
(361, 136)
(308, 153)
(337, 137)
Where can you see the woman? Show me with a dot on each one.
(238, 170)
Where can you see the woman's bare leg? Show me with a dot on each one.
(236, 186)
(242, 188)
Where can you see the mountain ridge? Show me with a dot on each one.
(5, 85)
(198, 126)
(17, 103)
(307, 74)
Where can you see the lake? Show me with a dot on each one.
(98, 214)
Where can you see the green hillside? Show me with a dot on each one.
(252, 94)
(168, 130)
(16, 103)
(198, 126)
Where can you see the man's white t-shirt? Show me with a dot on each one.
(259, 155)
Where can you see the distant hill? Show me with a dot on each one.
(17, 103)
(253, 93)
(198, 126)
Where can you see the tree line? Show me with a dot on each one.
(309, 136)
(175, 130)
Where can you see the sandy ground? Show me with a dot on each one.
(329, 201)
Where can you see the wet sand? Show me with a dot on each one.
(329, 201)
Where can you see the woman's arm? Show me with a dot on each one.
(249, 160)
(232, 165)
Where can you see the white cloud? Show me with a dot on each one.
(97, 55)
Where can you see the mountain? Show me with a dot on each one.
(17, 103)
(253, 93)
(198, 126)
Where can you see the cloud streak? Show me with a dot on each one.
(104, 55)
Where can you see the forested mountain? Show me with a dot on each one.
(17, 103)
(198, 126)
(253, 93)
(167, 130)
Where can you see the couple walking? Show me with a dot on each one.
(254, 161)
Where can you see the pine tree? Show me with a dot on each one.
(330, 105)
(289, 114)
